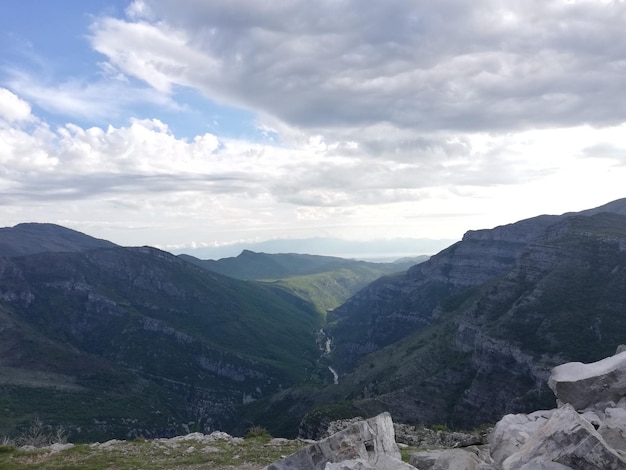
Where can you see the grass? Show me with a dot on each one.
(154, 454)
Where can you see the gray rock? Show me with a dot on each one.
(569, 440)
(543, 465)
(585, 385)
(613, 428)
(448, 459)
(512, 432)
(371, 442)
(383, 463)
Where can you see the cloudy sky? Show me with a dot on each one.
(181, 123)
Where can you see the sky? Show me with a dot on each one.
(189, 123)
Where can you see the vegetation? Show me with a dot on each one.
(152, 455)
(124, 342)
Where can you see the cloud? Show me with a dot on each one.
(13, 108)
(101, 100)
(377, 117)
(450, 65)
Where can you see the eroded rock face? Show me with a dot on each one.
(363, 445)
(587, 385)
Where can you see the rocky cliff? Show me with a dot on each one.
(472, 334)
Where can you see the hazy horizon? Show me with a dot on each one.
(374, 250)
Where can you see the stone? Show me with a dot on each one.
(585, 385)
(383, 463)
(58, 447)
(447, 459)
(569, 440)
(613, 428)
(512, 432)
(370, 442)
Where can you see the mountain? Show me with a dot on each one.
(122, 342)
(372, 250)
(324, 281)
(251, 265)
(31, 238)
(472, 333)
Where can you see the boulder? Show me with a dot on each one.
(569, 440)
(512, 432)
(448, 459)
(613, 428)
(384, 462)
(363, 445)
(587, 385)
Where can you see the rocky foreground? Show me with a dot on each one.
(587, 431)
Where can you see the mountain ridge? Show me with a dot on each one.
(458, 340)
(33, 237)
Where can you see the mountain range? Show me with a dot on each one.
(113, 341)
(472, 333)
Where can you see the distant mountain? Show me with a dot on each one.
(472, 333)
(32, 238)
(250, 265)
(122, 342)
(324, 281)
(375, 250)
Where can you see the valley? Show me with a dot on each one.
(123, 342)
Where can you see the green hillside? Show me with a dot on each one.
(329, 290)
(324, 281)
(136, 341)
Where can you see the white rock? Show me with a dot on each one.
(569, 440)
(512, 432)
(445, 459)
(109, 444)
(383, 463)
(613, 428)
(543, 465)
(371, 442)
(57, 447)
(585, 385)
(220, 436)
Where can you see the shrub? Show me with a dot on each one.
(259, 433)
(39, 435)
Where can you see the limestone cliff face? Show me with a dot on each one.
(394, 307)
(473, 333)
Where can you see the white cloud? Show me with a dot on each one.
(12, 108)
(98, 100)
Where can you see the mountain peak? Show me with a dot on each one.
(33, 237)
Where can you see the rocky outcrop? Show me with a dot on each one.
(590, 438)
(363, 445)
(569, 440)
(471, 458)
(585, 385)
(587, 431)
